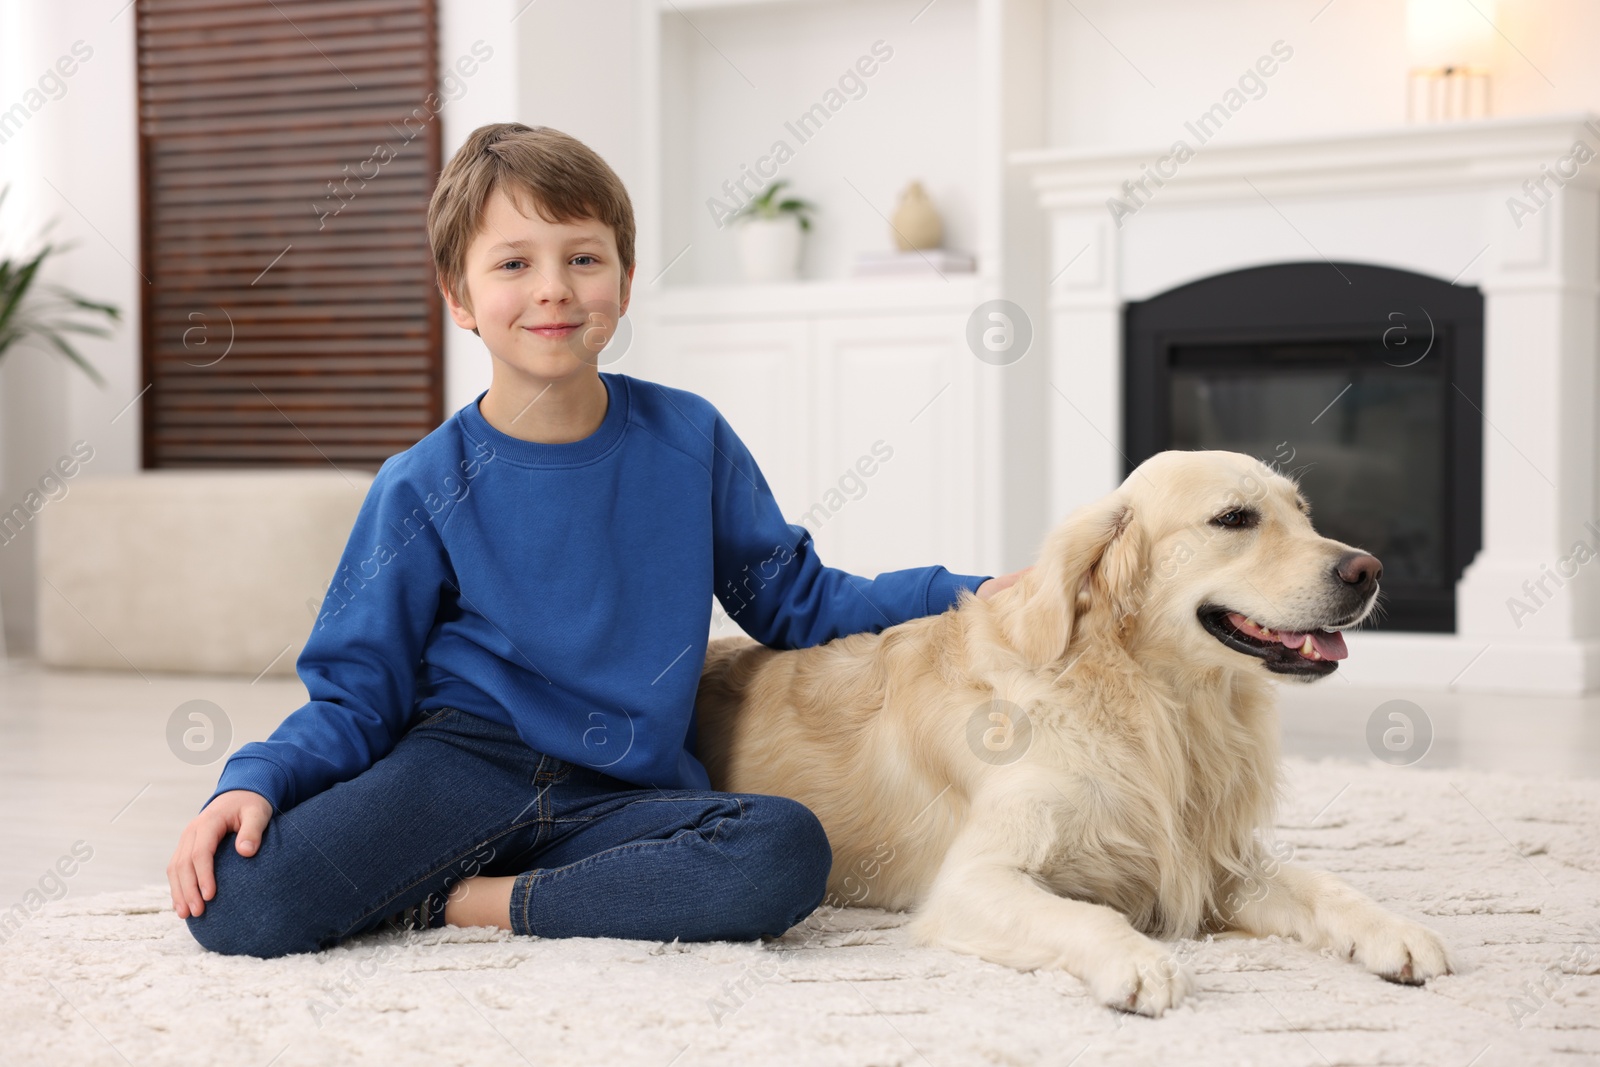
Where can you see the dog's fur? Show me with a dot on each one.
(1058, 775)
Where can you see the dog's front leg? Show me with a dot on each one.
(985, 903)
(1325, 912)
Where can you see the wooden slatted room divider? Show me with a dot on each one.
(288, 149)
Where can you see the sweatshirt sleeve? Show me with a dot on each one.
(360, 663)
(770, 581)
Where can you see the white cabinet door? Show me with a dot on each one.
(755, 374)
(895, 435)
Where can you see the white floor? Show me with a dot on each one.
(1502, 867)
(84, 756)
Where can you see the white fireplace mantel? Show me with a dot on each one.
(1432, 199)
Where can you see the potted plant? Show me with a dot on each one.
(38, 311)
(769, 235)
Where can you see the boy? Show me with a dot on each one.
(502, 676)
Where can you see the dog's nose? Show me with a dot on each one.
(1360, 570)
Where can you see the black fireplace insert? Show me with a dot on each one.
(1363, 383)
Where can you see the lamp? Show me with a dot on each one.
(1451, 45)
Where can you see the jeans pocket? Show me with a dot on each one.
(552, 771)
(433, 717)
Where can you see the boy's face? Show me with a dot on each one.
(545, 296)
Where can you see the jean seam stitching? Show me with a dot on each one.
(531, 877)
(631, 845)
(717, 829)
(418, 881)
(439, 716)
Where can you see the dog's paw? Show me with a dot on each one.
(1394, 949)
(1139, 976)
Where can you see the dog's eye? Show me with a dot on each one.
(1235, 518)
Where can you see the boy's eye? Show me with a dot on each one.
(585, 256)
(512, 264)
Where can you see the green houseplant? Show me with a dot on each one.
(769, 234)
(34, 310)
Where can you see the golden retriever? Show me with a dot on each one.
(1087, 761)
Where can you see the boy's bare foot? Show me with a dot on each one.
(480, 901)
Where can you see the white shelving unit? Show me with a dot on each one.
(856, 99)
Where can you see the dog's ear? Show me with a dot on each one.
(1118, 581)
(1096, 554)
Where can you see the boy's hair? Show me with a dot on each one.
(564, 178)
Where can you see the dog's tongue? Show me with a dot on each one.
(1328, 643)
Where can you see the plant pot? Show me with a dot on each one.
(769, 249)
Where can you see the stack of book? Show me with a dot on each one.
(929, 262)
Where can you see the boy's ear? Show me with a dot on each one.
(627, 291)
(459, 312)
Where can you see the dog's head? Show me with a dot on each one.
(1208, 555)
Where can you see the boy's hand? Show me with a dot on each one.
(994, 585)
(190, 873)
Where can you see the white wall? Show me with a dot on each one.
(1130, 72)
(739, 80)
(490, 95)
(1132, 77)
(73, 161)
(580, 75)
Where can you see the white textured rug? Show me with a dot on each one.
(1507, 869)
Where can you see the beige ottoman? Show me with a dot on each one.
(190, 571)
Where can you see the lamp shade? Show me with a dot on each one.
(1450, 33)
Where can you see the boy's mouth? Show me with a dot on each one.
(560, 329)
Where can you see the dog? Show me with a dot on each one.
(1085, 764)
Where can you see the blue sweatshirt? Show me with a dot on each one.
(564, 590)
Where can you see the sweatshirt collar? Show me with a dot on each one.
(570, 454)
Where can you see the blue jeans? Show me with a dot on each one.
(461, 795)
